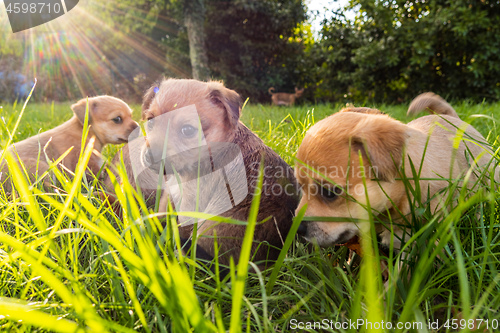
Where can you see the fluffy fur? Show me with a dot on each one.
(361, 110)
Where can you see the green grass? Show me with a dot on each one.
(68, 263)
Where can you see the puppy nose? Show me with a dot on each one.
(302, 231)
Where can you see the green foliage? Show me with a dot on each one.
(396, 49)
(251, 45)
(390, 52)
(248, 45)
(331, 60)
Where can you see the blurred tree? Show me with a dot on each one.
(250, 45)
(430, 45)
(152, 21)
(194, 20)
(396, 49)
(331, 59)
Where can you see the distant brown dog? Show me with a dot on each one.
(220, 134)
(285, 98)
(110, 121)
(334, 188)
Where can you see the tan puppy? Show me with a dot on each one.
(110, 121)
(335, 188)
(285, 98)
(219, 141)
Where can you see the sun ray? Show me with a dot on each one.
(80, 53)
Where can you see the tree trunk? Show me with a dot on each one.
(194, 19)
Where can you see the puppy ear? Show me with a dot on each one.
(80, 107)
(229, 100)
(383, 143)
(149, 95)
(147, 99)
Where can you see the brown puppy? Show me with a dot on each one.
(336, 189)
(285, 98)
(110, 121)
(222, 141)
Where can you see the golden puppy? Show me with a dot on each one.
(207, 142)
(334, 188)
(110, 121)
(285, 98)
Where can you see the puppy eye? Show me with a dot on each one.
(117, 120)
(330, 194)
(188, 131)
(150, 124)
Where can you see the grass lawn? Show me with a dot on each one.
(67, 262)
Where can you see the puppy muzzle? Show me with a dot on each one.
(154, 163)
(302, 230)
